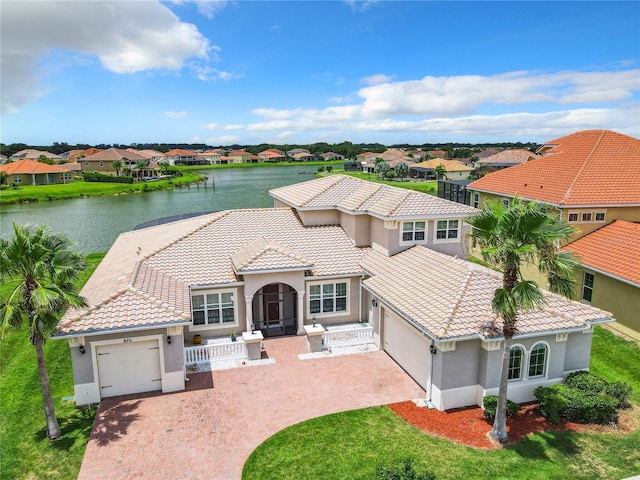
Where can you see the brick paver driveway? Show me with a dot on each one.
(209, 430)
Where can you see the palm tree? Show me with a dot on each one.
(511, 236)
(117, 165)
(441, 171)
(41, 269)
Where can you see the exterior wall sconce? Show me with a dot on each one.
(82, 350)
(374, 302)
(432, 349)
(314, 321)
(169, 339)
(253, 328)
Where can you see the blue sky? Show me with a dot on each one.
(247, 72)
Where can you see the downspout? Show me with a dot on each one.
(360, 300)
(427, 401)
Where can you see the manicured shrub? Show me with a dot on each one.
(620, 391)
(490, 405)
(321, 168)
(100, 177)
(329, 168)
(586, 382)
(402, 470)
(551, 403)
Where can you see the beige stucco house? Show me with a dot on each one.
(30, 172)
(333, 251)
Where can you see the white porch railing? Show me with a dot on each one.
(216, 351)
(348, 335)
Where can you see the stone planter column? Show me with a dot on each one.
(314, 337)
(248, 311)
(253, 342)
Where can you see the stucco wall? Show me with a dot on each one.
(630, 214)
(578, 351)
(461, 365)
(357, 228)
(319, 217)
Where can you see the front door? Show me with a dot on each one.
(272, 320)
(274, 309)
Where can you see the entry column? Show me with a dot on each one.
(300, 309)
(248, 311)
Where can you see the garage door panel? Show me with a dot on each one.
(407, 347)
(129, 368)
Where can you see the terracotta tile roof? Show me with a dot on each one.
(32, 154)
(613, 249)
(454, 299)
(111, 154)
(510, 157)
(262, 255)
(449, 165)
(353, 195)
(592, 167)
(29, 167)
(180, 153)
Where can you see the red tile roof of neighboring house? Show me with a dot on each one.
(22, 167)
(111, 154)
(449, 165)
(592, 167)
(181, 153)
(613, 249)
(239, 152)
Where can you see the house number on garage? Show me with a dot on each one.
(127, 340)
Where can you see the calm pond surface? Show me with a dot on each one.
(95, 223)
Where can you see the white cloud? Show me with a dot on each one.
(126, 37)
(377, 79)
(175, 114)
(360, 5)
(208, 8)
(206, 73)
(223, 140)
(217, 126)
(211, 126)
(233, 126)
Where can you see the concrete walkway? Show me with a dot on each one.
(209, 430)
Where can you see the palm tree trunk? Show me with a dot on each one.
(499, 430)
(53, 430)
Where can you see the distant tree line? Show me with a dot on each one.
(347, 149)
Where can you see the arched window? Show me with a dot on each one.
(515, 363)
(537, 360)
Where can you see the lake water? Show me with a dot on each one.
(95, 223)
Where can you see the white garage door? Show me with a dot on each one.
(407, 347)
(129, 368)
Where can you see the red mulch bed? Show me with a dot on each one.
(468, 426)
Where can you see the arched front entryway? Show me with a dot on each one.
(274, 310)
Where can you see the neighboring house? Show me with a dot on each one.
(295, 151)
(272, 155)
(303, 157)
(332, 156)
(102, 162)
(31, 154)
(240, 156)
(30, 172)
(3, 159)
(211, 157)
(427, 169)
(333, 250)
(75, 155)
(610, 273)
(391, 156)
(182, 157)
(505, 159)
(455, 191)
(151, 155)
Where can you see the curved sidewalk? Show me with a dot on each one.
(209, 430)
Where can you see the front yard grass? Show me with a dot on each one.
(424, 186)
(25, 450)
(349, 445)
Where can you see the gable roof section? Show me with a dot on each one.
(613, 250)
(111, 154)
(449, 165)
(509, 157)
(24, 167)
(353, 195)
(454, 300)
(262, 255)
(180, 153)
(592, 167)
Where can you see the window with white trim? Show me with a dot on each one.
(586, 217)
(413, 231)
(587, 286)
(600, 216)
(328, 298)
(476, 200)
(213, 308)
(573, 217)
(447, 230)
(537, 360)
(515, 363)
(17, 179)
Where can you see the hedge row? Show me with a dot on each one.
(584, 398)
(490, 405)
(101, 177)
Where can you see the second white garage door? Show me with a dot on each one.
(407, 347)
(129, 368)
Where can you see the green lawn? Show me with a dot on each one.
(78, 189)
(349, 445)
(25, 451)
